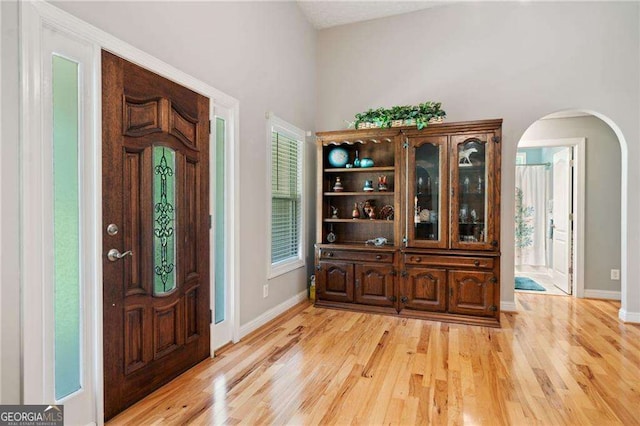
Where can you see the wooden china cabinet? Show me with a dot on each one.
(433, 195)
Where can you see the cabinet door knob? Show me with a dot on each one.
(493, 280)
(476, 263)
(318, 268)
(494, 243)
(404, 299)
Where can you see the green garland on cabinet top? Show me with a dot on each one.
(421, 114)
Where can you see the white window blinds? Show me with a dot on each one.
(286, 197)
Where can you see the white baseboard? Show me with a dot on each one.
(625, 316)
(272, 313)
(601, 294)
(508, 306)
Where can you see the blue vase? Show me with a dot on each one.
(356, 162)
(366, 162)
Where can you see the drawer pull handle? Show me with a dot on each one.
(417, 259)
(378, 257)
(477, 263)
(330, 254)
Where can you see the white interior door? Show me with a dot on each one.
(222, 324)
(561, 240)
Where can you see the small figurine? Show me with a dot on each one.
(369, 209)
(338, 186)
(368, 186)
(382, 183)
(380, 241)
(334, 212)
(356, 211)
(465, 161)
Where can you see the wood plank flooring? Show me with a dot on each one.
(559, 360)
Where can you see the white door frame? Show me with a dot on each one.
(579, 180)
(34, 16)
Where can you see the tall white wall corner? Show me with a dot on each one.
(629, 317)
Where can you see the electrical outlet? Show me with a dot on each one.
(615, 274)
(265, 290)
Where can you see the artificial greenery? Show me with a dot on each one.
(383, 117)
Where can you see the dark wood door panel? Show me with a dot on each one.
(374, 285)
(472, 293)
(425, 289)
(334, 281)
(155, 189)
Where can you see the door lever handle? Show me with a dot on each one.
(114, 254)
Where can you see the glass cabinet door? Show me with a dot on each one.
(473, 203)
(427, 207)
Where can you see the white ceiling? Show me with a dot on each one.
(329, 13)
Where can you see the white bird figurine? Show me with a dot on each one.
(380, 241)
(465, 154)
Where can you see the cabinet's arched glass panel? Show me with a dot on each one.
(164, 220)
(66, 227)
(427, 190)
(472, 182)
(220, 274)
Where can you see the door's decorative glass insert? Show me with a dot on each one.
(164, 250)
(220, 275)
(426, 202)
(472, 194)
(66, 227)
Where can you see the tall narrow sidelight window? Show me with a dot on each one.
(287, 236)
(220, 273)
(66, 227)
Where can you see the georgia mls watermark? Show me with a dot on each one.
(31, 415)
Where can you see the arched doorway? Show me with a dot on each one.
(600, 252)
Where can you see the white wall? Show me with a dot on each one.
(602, 191)
(515, 60)
(263, 54)
(9, 310)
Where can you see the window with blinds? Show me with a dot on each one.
(286, 198)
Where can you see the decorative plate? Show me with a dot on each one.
(338, 157)
(424, 215)
(386, 212)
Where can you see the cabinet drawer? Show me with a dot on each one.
(449, 261)
(358, 256)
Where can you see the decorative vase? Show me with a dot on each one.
(356, 162)
(366, 162)
(368, 186)
(382, 183)
(356, 211)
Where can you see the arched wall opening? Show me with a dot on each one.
(624, 179)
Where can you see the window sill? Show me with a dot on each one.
(281, 268)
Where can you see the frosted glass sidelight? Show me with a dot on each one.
(220, 275)
(66, 227)
(164, 245)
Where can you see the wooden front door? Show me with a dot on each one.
(155, 237)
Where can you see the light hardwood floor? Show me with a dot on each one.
(559, 360)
